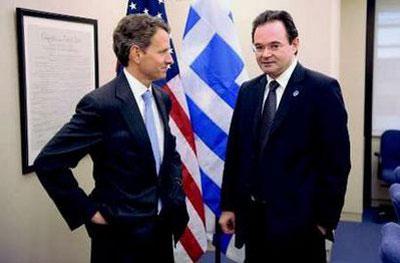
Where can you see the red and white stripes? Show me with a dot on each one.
(193, 243)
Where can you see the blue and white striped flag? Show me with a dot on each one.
(211, 75)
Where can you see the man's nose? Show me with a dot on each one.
(266, 52)
(169, 59)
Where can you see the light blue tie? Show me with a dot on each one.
(151, 127)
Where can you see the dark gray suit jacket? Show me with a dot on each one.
(304, 162)
(108, 126)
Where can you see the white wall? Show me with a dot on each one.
(31, 228)
(352, 77)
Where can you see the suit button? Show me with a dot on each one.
(179, 182)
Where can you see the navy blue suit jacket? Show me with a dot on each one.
(108, 126)
(304, 162)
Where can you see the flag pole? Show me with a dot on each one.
(217, 242)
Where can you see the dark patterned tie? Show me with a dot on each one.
(265, 123)
(269, 110)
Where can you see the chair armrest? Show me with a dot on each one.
(389, 251)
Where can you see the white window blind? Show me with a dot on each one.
(386, 79)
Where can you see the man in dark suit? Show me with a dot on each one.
(288, 155)
(138, 202)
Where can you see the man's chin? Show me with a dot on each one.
(268, 71)
(161, 77)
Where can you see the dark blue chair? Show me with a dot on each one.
(389, 157)
(394, 192)
(390, 243)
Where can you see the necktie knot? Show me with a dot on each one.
(273, 85)
(147, 96)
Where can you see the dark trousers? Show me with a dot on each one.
(128, 244)
(260, 247)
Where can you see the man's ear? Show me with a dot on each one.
(135, 54)
(295, 45)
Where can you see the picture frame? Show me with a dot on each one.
(58, 65)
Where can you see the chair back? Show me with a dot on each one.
(390, 149)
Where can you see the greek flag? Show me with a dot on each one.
(212, 70)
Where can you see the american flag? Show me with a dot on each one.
(193, 243)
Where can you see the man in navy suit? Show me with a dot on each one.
(138, 203)
(288, 155)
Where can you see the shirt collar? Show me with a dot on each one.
(283, 79)
(136, 86)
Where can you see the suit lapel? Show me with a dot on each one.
(132, 116)
(256, 101)
(292, 90)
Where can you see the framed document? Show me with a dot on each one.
(58, 64)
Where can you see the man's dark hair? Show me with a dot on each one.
(135, 30)
(276, 15)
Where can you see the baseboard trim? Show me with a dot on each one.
(349, 216)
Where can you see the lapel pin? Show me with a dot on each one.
(295, 93)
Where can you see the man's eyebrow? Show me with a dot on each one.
(262, 44)
(165, 49)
